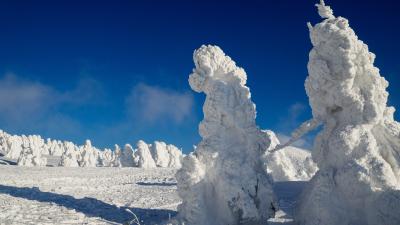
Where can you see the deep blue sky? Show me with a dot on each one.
(116, 71)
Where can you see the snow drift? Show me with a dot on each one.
(223, 180)
(358, 150)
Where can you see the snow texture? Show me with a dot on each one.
(358, 150)
(223, 181)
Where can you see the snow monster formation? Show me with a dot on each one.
(358, 150)
(223, 181)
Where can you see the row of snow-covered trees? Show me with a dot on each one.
(32, 150)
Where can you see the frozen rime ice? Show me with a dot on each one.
(358, 150)
(223, 181)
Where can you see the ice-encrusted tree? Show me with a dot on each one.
(223, 180)
(126, 156)
(142, 156)
(358, 150)
(89, 155)
(69, 157)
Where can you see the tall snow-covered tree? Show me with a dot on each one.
(358, 150)
(223, 181)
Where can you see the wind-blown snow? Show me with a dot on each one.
(358, 150)
(223, 180)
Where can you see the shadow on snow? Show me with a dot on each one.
(90, 206)
(155, 184)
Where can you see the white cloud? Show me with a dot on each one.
(156, 104)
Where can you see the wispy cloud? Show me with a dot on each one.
(156, 104)
(33, 105)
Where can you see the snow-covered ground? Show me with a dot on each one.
(65, 195)
(61, 195)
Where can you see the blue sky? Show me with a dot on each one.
(116, 71)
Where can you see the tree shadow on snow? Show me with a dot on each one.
(90, 206)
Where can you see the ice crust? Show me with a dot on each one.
(223, 181)
(358, 150)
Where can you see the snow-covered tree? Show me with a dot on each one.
(358, 150)
(89, 155)
(289, 163)
(223, 180)
(69, 158)
(126, 158)
(166, 155)
(31, 154)
(160, 153)
(142, 156)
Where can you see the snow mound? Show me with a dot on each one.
(223, 180)
(358, 150)
(289, 163)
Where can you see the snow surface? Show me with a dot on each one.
(223, 181)
(60, 195)
(358, 150)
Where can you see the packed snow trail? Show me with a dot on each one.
(358, 150)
